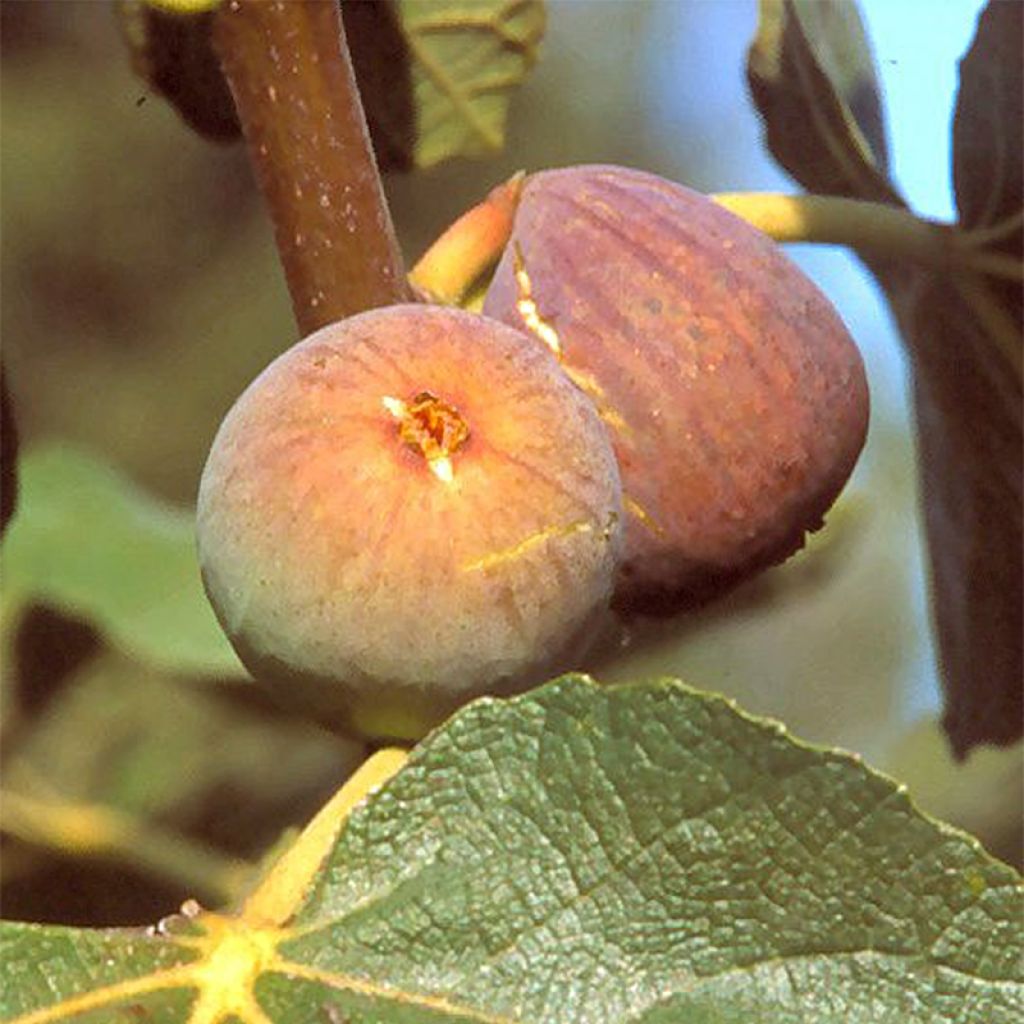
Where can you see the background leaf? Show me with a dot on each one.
(175, 56)
(963, 332)
(141, 720)
(976, 525)
(630, 853)
(87, 541)
(988, 128)
(968, 406)
(435, 76)
(383, 70)
(813, 78)
(467, 57)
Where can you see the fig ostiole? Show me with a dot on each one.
(735, 399)
(410, 508)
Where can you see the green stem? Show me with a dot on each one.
(291, 76)
(875, 229)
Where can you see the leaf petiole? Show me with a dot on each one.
(876, 229)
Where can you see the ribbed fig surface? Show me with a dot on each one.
(733, 394)
(409, 508)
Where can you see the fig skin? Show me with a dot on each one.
(409, 508)
(735, 398)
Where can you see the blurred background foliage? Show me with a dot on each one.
(141, 293)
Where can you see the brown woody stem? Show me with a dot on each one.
(291, 76)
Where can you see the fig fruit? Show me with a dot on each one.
(734, 396)
(409, 508)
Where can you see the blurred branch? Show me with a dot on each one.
(92, 830)
(291, 76)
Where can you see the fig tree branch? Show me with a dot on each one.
(291, 76)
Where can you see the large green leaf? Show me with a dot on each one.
(52, 963)
(962, 329)
(87, 541)
(630, 853)
(436, 76)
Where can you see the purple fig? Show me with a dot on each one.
(734, 396)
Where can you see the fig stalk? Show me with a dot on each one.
(295, 92)
(869, 227)
(875, 229)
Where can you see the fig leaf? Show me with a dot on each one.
(988, 137)
(435, 79)
(963, 330)
(173, 53)
(629, 853)
(467, 57)
(89, 543)
(813, 79)
(986, 579)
